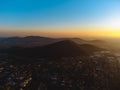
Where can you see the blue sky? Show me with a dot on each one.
(58, 13)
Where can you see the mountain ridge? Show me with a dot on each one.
(65, 48)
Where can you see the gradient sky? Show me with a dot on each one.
(53, 17)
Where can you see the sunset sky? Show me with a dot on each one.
(60, 18)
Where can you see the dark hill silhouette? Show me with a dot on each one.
(76, 40)
(33, 41)
(66, 48)
(28, 41)
(89, 48)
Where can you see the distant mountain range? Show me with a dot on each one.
(35, 46)
(29, 41)
(33, 41)
(65, 48)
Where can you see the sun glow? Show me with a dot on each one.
(112, 21)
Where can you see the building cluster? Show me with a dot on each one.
(99, 71)
(14, 77)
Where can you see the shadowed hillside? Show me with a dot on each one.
(28, 41)
(66, 48)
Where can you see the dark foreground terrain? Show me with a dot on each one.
(63, 65)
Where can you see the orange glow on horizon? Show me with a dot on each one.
(63, 33)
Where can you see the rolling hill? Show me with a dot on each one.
(28, 41)
(65, 48)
